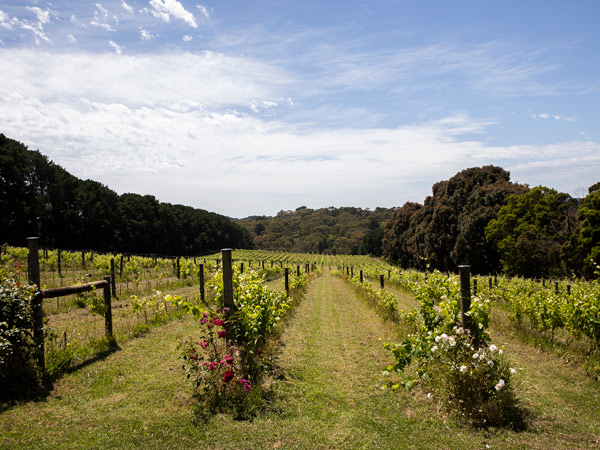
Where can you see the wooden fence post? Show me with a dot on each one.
(381, 282)
(33, 272)
(59, 263)
(297, 271)
(227, 282)
(83, 259)
(241, 267)
(556, 288)
(201, 276)
(108, 325)
(361, 276)
(465, 295)
(121, 268)
(287, 281)
(474, 286)
(113, 284)
(178, 268)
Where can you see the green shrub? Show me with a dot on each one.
(460, 368)
(18, 371)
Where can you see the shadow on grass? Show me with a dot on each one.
(29, 386)
(97, 357)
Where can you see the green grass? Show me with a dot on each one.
(330, 394)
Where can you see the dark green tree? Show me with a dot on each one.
(448, 229)
(533, 231)
(589, 231)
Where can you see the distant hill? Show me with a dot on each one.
(345, 230)
(40, 198)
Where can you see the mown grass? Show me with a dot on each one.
(330, 394)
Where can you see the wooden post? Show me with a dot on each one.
(474, 286)
(201, 276)
(389, 273)
(262, 264)
(121, 268)
(108, 325)
(287, 282)
(361, 276)
(227, 282)
(59, 263)
(83, 259)
(178, 268)
(113, 284)
(33, 271)
(297, 271)
(465, 295)
(556, 288)
(242, 267)
(568, 289)
(495, 280)
(381, 282)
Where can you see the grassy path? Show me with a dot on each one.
(330, 398)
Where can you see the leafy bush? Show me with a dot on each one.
(229, 370)
(18, 372)
(458, 367)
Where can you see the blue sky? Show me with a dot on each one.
(251, 107)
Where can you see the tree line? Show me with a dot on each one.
(345, 230)
(40, 198)
(479, 217)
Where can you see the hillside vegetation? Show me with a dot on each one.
(346, 230)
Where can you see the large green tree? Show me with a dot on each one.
(589, 217)
(534, 233)
(448, 229)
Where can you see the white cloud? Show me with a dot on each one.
(157, 79)
(204, 11)
(536, 116)
(100, 9)
(126, 7)
(72, 39)
(101, 19)
(172, 125)
(117, 48)
(6, 21)
(245, 165)
(164, 9)
(145, 34)
(43, 16)
(37, 29)
(187, 38)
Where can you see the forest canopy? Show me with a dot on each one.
(40, 198)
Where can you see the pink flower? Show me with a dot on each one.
(222, 334)
(213, 365)
(218, 322)
(246, 384)
(227, 376)
(228, 360)
(258, 352)
(203, 344)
